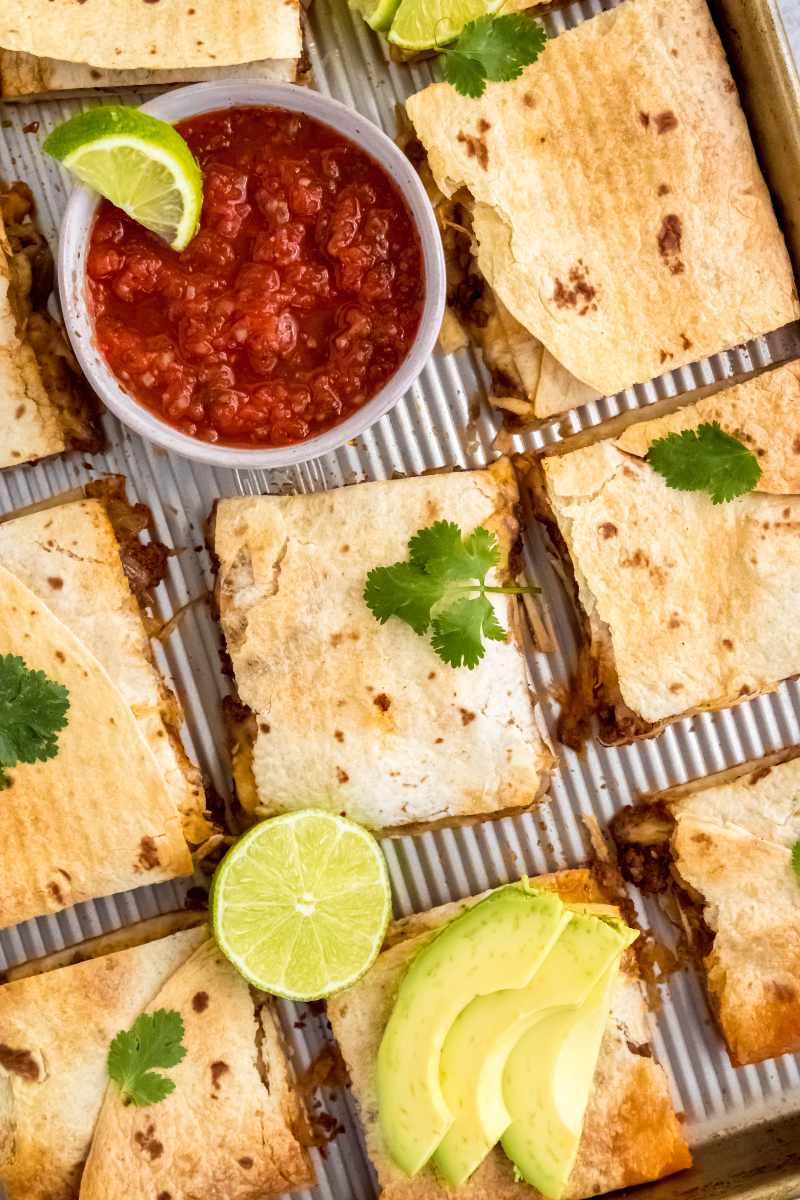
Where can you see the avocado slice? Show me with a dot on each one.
(478, 1046)
(547, 1083)
(498, 943)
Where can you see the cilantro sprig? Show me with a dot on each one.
(33, 709)
(492, 48)
(705, 459)
(154, 1040)
(442, 588)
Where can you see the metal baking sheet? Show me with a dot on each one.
(443, 421)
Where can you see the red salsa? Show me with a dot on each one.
(296, 301)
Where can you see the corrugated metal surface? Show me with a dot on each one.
(440, 422)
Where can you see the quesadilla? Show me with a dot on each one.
(45, 404)
(630, 1134)
(612, 202)
(227, 1130)
(116, 805)
(722, 848)
(685, 605)
(337, 711)
(66, 45)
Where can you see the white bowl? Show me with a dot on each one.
(77, 226)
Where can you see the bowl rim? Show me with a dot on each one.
(178, 104)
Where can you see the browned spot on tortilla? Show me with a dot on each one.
(148, 854)
(669, 243)
(674, 622)
(760, 773)
(702, 839)
(644, 118)
(729, 86)
(337, 733)
(218, 1069)
(676, 687)
(663, 189)
(528, 100)
(264, 726)
(246, 1162)
(19, 411)
(665, 121)
(685, 342)
(640, 1048)
(637, 559)
(744, 690)
(165, 1196)
(61, 656)
(608, 530)
(95, 74)
(578, 292)
(483, 125)
(467, 717)
(431, 674)
(19, 1062)
(342, 776)
(796, 444)
(382, 702)
(200, 1002)
(438, 741)
(784, 993)
(476, 147)
(336, 639)
(56, 582)
(55, 891)
(148, 1143)
(727, 643)
(344, 549)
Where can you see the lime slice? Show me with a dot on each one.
(301, 903)
(427, 24)
(378, 14)
(137, 162)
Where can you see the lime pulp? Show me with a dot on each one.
(429, 24)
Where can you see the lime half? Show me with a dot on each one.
(378, 14)
(301, 903)
(427, 24)
(137, 162)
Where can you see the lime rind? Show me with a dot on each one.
(378, 14)
(139, 163)
(431, 24)
(263, 881)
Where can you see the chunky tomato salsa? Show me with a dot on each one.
(293, 305)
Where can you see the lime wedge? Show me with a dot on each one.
(137, 162)
(427, 24)
(378, 14)
(301, 903)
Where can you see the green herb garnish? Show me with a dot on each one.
(154, 1040)
(492, 48)
(33, 709)
(796, 859)
(443, 588)
(705, 460)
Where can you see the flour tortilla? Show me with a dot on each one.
(347, 714)
(631, 1133)
(136, 34)
(619, 211)
(56, 1029)
(226, 1132)
(25, 75)
(689, 605)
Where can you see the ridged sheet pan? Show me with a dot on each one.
(443, 421)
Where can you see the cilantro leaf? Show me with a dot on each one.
(441, 551)
(457, 632)
(443, 588)
(33, 709)
(154, 1040)
(705, 459)
(796, 859)
(492, 48)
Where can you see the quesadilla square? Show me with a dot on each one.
(615, 204)
(230, 1129)
(335, 710)
(116, 805)
(45, 404)
(722, 846)
(685, 605)
(631, 1133)
(51, 46)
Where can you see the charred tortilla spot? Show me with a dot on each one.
(665, 121)
(685, 342)
(729, 86)
(640, 1048)
(218, 1069)
(19, 411)
(264, 727)
(148, 1143)
(528, 100)
(200, 1002)
(784, 993)
(676, 687)
(608, 530)
(467, 717)
(342, 776)
(727, 643)
(663, 189)
(246, 1162)
(19, 1062)
(674, 622)
(483, 125)
(165, 1196)
(56, 582)
(796, 444)
(148, 858)
(337, 733)
(644, 118)
(55, 891)
(476, 147)
(669, 240)
(578, 292)
(382, 701)
(760, 773)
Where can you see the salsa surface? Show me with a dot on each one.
(296, 301)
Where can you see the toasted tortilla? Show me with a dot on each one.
(136, 34)
(687, 605)
(619, 211)
(55, 1030)
(729, 846)
(631, 1133)
(74, 838)
(343, 713)
(227, 1131)
(44, 403)
(25, 75)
